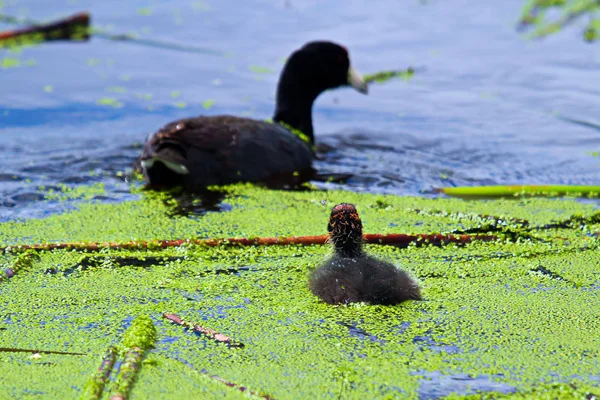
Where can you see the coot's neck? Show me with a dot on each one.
(346, 247)
(295, 98)
(295, 119)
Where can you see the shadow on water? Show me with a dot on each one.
(185, 203)
(357, 332)
(197, 202)
(431, 344)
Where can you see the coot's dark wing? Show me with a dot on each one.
(362, 279)
(384, 283)
(225, 149)
(338, 281)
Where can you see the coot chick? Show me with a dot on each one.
(351, 275)
(217, 150)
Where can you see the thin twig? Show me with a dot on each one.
(15, 350)
(219, 337)
(392, 239)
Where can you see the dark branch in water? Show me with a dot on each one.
(549, 273)
(75, 27)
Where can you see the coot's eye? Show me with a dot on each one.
(340, 59)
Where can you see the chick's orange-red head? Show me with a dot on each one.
(345, 230)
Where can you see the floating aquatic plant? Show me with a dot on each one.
(522, 190)
(384, 76)
(535, 14)
(207, 104)
(109, 101)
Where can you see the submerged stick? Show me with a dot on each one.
(138, 338)
(95, 385)
(75, 27)
(238, 386)
(127, 374)
(391, 239)
(219, 337)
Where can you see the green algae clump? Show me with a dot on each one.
(141, 333)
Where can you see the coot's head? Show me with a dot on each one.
(309, 71)
(345, 230)
(324, 65)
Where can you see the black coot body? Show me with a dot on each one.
(352, 276)
(202, 151)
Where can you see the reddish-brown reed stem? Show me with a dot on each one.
(392, 239)
(219, 337)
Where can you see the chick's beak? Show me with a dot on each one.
(356, 81)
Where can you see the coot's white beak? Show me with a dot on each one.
(175, 167)
(356, 81)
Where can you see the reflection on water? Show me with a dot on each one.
(487, 108)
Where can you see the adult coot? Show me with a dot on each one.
(201, 151)
(351, 275)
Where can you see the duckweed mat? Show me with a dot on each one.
(515, 318)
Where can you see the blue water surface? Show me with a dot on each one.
(486, 106)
